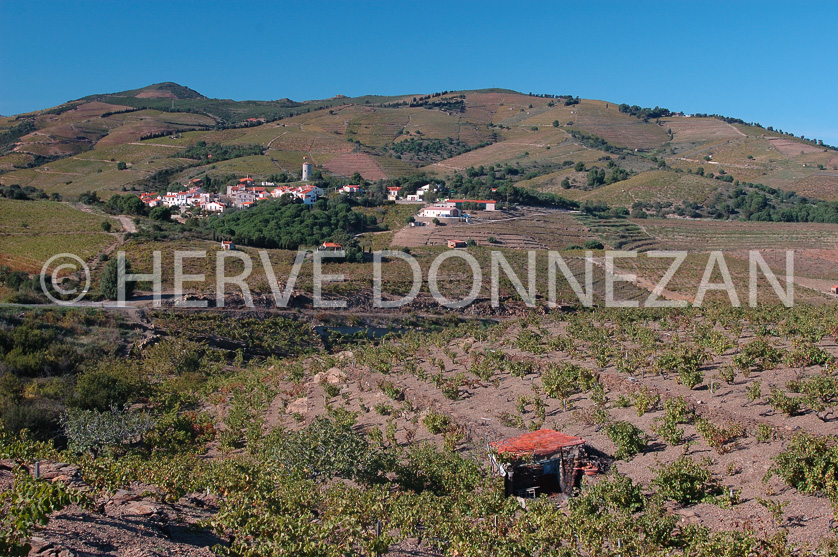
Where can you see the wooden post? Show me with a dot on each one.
(561, 468)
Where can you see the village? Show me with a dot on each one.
(247, 193)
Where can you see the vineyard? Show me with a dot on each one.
(260, 435)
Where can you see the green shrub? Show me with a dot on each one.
(754, 391)
(110, 384)
(330, 389)
(804, 354)
(782, 402)
(560, 381)
(623, 401)
(27, 504)
(612, 492)
(810, 465)
(174, 433)
(684, 481)
(383, 409)
(630, 439)
(765, 433)
(676, 411)
(91, 431)
(757, 355)
(529, 341)
(820, 393)
(645, 401)
(391, 390)
(669, 431)
(328, 447)
(436, 422)
(728, 374)
(685, 362)
(719, 438)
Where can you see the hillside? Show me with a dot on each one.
(77, 146)
(289, 427)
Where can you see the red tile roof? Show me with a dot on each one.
(541, 443)
(331, 245)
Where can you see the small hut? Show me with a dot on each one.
(543, 461)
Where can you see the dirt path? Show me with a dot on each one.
(733, 165)
(157, 145)
(128, 224)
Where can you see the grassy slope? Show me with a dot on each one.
(33, 231)
(656, 185)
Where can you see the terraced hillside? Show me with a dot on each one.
(78, 146)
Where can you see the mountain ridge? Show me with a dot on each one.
(76, 147)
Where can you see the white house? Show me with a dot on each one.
(440, 212)
(482, 204)
(308, 194)
(214, 207)
(393, 193)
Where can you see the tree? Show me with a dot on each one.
(565, 183)
(162, 214)
(121, 165)
(89, 198)
(91, 431)
(109, 284)
(596, 177)
(555, 123)
(106, 226)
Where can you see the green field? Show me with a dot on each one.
(659, 185)
(33, 231)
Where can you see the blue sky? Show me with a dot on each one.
(769, 62)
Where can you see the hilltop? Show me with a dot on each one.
(167, 90)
